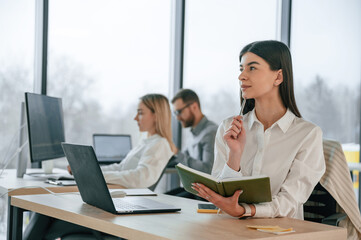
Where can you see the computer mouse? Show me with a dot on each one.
(117, 194)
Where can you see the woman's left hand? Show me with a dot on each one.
(227, 204)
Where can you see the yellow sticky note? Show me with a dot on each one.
(261, 227)
(271, 229)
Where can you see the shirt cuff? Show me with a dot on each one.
(228, 172)
(262, 210)
(180, 158)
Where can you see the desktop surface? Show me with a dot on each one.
(9, 181)
(188, 224)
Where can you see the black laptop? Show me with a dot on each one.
(94, 190)
(111, 148)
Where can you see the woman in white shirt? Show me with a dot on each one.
(270, 139)
(144, 164)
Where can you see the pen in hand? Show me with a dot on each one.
(240, 114)
(242, 107)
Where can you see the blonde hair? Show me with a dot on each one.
(159, 105)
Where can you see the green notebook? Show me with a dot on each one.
(255, 189)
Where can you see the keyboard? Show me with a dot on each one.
(120, 204)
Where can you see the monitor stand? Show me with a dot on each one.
(23, 154)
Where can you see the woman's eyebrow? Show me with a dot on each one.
(254, 62)
(250, 63)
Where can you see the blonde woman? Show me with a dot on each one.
(144, 164)
(141, 168)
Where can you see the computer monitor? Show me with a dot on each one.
(45, 127)
(23, 149)
(111, 148)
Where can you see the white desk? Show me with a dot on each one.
(9, 181)
(187, 224)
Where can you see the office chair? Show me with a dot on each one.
(321, 207)
(333, 200)
(171, 160)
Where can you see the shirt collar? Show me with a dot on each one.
(200, 126)
(284, 122)
(252, 118)
(151, 138)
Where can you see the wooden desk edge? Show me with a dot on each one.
(55, 189)
(99, 225)
(105, 225)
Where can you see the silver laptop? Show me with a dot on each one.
(94, 190)
(111, 148)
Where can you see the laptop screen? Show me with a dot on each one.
(111, 148)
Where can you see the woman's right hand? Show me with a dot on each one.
(235, 137)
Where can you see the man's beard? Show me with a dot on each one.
(189, 122)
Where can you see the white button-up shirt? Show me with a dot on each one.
(142, 166)
(290, 152)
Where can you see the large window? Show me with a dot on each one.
(215, 32)
(103, 56)
(327, 58)
(17, 25)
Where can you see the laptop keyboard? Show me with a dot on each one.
(120, 204)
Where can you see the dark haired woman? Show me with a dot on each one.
(270, 139)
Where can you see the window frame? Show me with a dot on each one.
(177, 51)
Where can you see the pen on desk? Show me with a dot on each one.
(53, 182)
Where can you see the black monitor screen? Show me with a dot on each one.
(45, 126)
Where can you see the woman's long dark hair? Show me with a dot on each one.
(278, 56)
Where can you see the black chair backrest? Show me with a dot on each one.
(152, 188)
(319, 205)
